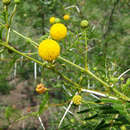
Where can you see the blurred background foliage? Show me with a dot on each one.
(108, 52)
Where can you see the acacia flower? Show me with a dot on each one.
(77, 99)
(40, 88)
(66, 17)
(58, 31)
(52, 20)
(49, 50)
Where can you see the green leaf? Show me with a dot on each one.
(106, 100)
(122, 110)
(1, 30)
(44, 102)
(101, 123)
(122, 119)
(84, 111)
(89, 118)
(107, 109)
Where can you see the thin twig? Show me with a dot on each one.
(22, 54)
(35, 70)
(109, 27)
(122, 96)
(123, 73)
(29, 39)
(98, 93)
(8, 35)
(13, 13)
(39, 118)
(65, 114)
(73, 6)
(67, 110)
(110, 21)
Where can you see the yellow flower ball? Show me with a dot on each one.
(41, 88)
(49, 50)
(66, 17)
(77, 99)
(52, 20)
(58, 31)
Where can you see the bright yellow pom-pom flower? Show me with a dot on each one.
(52, 20)
(58, 31)
(77, 99)
(49, 49)
(66, 17)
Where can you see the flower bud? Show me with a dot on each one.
(128, 81)
(17, 1)
(57, 20)
(77, 99)
(84, 23)
(6, 2)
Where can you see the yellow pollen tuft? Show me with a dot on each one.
(77, 99)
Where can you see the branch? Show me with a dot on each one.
(20, 53)
(123, 73)
(110, 21)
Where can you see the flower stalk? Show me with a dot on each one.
(20, 53)
(122, 96)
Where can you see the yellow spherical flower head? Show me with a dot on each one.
(52, 20)
(49, 50)
(77, 99)
(66, 17)
(58, 31)
(40, 88)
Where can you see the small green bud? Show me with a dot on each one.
(84, 23)
(113, 79)
(128, 81)
(95, 68)
(17, 1)
(84, 123)
(123, 127)
(122, 79)
(72, 120)
(6, 2)
(124, 85)
(57, 20)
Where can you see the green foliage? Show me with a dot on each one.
(11, 114)
(126, 87)
(102, 47)
(17, 1)
(42, 105)
(4, 87)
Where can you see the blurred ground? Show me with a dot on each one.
(21, 100)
